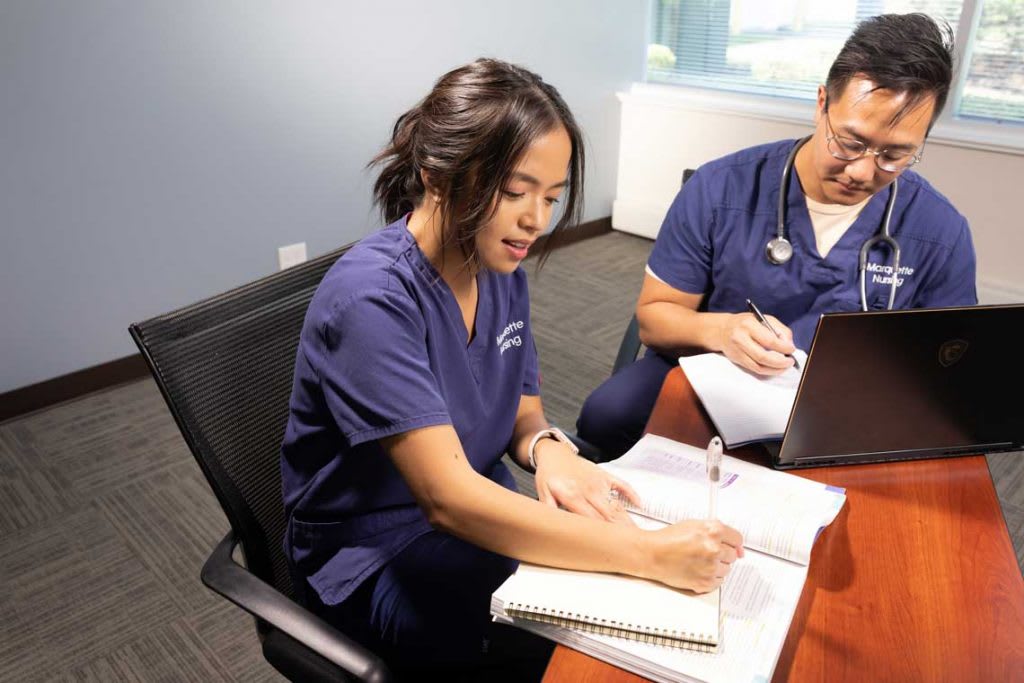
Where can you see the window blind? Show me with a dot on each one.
(785, 47)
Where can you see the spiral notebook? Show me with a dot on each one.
(611, 604)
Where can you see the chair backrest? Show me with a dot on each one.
(687, 174)
(225, 365)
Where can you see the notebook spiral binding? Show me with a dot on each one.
(678, 639)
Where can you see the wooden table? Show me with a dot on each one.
(915, 580)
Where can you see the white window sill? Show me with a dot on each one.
(991, 137)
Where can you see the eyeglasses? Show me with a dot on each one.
(848, 149)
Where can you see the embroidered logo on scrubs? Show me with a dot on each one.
(882, 273)
(508, 337)
(951, 352)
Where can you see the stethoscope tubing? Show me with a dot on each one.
(883, 237)
(779, 249)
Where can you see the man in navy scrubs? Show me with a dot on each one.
(883, 93)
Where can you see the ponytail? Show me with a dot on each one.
(399, 187)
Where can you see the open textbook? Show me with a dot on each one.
(743, 406)
(779, 516)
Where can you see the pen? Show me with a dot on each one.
(764, 321)
(714, 475)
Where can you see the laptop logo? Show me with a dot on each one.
(951, 352)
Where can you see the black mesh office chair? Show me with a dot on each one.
(629, 349)
(224, 366)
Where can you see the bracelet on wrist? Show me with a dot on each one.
(548, 433)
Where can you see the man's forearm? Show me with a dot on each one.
(672, 328)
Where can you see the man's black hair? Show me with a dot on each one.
(905, 53)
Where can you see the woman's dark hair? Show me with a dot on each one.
(905, 53)
(469, 134)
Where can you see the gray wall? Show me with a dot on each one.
(154, 153)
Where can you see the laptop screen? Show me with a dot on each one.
(890, 385)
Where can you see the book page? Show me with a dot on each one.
(744, 407)
(758, 602)
(777, 513)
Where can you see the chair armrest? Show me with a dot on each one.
(223, 575)
(589, 450)
(629, 347)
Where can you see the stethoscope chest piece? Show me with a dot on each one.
(779, 250)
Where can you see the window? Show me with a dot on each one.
(994, 86)
(784, 48)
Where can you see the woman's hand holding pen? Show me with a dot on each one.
(746, 342)
(695, 554)
(578, 485)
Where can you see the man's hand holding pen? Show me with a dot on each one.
(752, 307)
(752, 345)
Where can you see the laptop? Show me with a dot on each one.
(901, 385)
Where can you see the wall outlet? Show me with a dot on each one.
(291, 255)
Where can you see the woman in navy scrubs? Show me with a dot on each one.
(417, 370)
(883, 93)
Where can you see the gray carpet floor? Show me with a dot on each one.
(105, 519)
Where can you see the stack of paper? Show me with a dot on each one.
(758, 602)
(779, 516)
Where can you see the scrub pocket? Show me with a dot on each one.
(336, 557)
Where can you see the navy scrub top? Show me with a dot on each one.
(383, 351)
(714, 237)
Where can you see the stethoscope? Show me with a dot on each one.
(779, 249)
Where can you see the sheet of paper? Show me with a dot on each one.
(744, 407)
